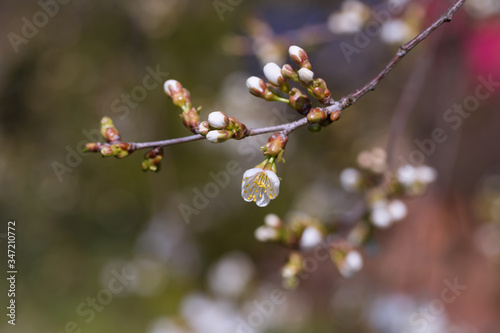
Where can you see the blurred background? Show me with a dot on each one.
(104, 247)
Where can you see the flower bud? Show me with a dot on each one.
(273, 73)
(299, 56)
(172, 87)
(311, 237)
(152, 160)
(218, 120)
(266, 234)
(191, 119)
(217, 136)
(180, 96)
(275, 145)
(314, 128)
(118, 150)
(92, 147)
(299, 101)
(203, 128)
(256, 86)
(109, 131)
(273, 220)
(347, 260)
(316, 115)
(238, 129)
(319, 90)
(291, 270)
(351, 179)
(289, 73)
(335, 115)
(306, 76)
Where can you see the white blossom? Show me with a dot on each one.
(395, 31)
(352, 263)
(350, 179)
(406, 175)
(380, 215)
(425, 174)
(397, 209)
(260, 186)
(218, 120)
(273, 73)
(311, 236)
(350, 19)
(265, 233)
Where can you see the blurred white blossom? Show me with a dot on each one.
(311, 237)
(395, 32)
(231, 274)
(350, 179)
(350, 19)
(352, 263)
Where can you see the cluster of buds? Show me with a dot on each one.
(152, 160)
(114, 147)
(302, 234)
(383, 208)
(319, 118)
(278, 88)
(182, 98)
(299, 232)
(220, 128)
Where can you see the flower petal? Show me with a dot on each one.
(251, 173)
(263, 200)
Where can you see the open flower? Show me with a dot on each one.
(260, 185)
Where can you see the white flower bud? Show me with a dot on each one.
(380, 215)
(203, 128)
(171, 87)
(354, 261)
(256, 85)
(273, 73)
(397, 209)
(265, 233)
(406, 175)
(288, 271)
(350, 264)
(299, 56)
(306, 76)
(217, 136)
(311, 237)
(295, 51)
(425, 174)
(218, 120)
(272, 220)
(350, 179)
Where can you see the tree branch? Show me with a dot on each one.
(343, 103)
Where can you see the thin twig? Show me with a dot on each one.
(343, 103)
(403, 50)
